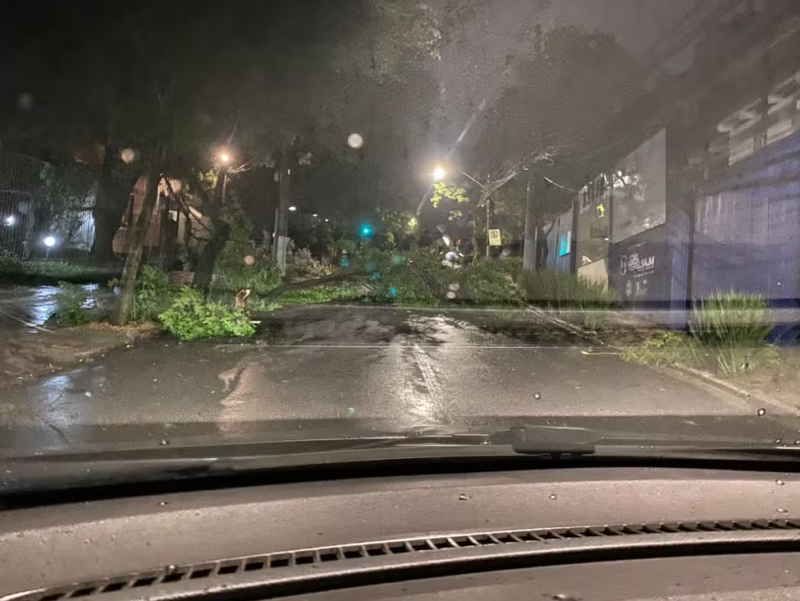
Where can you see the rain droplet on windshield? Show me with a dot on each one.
(779, 482)
(761, 412)
(463, 498)
(163, 442)
(537, 396)
(553, 497)
(782, 510)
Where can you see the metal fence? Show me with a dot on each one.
(30, 226)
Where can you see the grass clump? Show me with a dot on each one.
(667, 349)
(563, 290)
(735, 328)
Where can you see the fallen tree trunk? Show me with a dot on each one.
(328, 279)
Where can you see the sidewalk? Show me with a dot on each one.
(777, 385)
(26, 355)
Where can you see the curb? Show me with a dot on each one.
(725, 386)
(691, 372)
(565, 325)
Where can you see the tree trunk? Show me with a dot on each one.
(475, 250)
(124, 304)
(112, 199)
(204, 272)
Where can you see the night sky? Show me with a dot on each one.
(476, 69)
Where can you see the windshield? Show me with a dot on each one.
(367, 219)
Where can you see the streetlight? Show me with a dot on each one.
(439, 174)
(10, 220)
(225, 158)
(49, 242)
(292, 208)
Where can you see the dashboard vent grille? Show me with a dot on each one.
(327, 555)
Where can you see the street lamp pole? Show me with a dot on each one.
(440, 174)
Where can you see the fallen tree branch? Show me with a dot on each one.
(328, 279)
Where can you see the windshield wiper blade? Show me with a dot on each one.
(547, 441)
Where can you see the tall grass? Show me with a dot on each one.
(736, 327)
(563, 290)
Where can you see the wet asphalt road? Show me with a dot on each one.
(22, 307)
(314, 368)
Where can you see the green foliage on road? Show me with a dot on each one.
(735, 327)
(489, 283)
(71, 309)
(190, 318)
(418, 278)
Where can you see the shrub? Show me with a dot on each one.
(736, 326)
(232, 273)
(71, 305)
(190, 318)
(562, 290)
(58, 269)
(321, 294)
(154, 294)
(260, 278)
(303, 265)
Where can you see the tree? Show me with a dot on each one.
(460, 210)
(562, 119)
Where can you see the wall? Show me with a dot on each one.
(746, 226)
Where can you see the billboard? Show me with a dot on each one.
(640, 270)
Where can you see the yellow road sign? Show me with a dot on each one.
(495, 238)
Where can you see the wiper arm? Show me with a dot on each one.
(547, 441)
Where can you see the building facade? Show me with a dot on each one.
(710, 199)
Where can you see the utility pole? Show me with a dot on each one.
(488, 226)
(282, 216)
(529, 244)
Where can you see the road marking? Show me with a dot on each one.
(445, 345)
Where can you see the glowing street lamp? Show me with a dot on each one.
(292, 208)
(49, 242)
(224, 158)
(10, 220)
(439, 174)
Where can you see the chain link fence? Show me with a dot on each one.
(39, 216)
